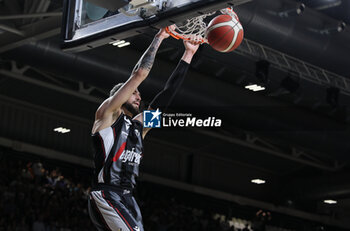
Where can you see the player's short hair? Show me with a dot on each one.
(115, 89)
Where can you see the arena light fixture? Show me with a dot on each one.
(331, 202)
(296, 10)
(332, 97)
(124, 44)
(61, 130)
(334, 28)
(120, 43)
(258, 181)
(290, 84)
(262, 68)
(323, 4)
(254, 87)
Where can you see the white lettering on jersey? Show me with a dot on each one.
(137, 132)
(130, 156)
(127, 123)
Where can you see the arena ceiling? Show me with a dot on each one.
(297, 140)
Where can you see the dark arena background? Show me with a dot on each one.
(278, 162)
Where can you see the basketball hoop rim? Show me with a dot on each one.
(202, 38)
(179, 36)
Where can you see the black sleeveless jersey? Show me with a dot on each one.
(118, 152)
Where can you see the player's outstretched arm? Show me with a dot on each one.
(112, 105)
(165, 97)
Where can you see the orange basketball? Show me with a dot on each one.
(225, 33)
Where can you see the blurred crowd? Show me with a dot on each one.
(34, 198)
(40, 198)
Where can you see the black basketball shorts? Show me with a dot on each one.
(114, 210)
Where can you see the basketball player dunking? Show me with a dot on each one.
(117, 137)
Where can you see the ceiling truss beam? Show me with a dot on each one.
(62, 89)
(288, 63)
(36, 31)
(12, 30)
(33, 15)
(296, 154)
(303, 156)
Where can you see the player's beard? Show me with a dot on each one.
(133, 110)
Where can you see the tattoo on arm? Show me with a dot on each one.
(147, 60)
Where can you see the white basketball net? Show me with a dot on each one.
(194, 29)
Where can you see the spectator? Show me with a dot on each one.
(39, 225)
(22, 226)
(246, 228)
(58, 202)
(260, 221)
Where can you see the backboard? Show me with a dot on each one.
(91, 23)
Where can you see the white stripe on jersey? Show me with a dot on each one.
(108, 139)
(100, 175)
(112, 218)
